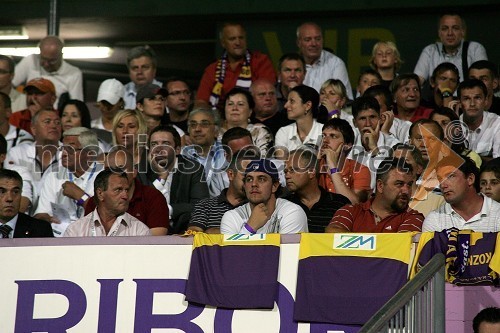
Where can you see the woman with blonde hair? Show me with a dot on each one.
(386, 60)
(130, 133)
(333, 101)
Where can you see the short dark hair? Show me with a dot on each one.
(369, 71)
(10, 62)
(467, 167)
(391, 163)
(234, 134)
(11, 174)
(364, 103)
(291, 56)
(451, 13)
(487, 315)
(424, 121)
(244, 92)
(490, 167)
(379, 90)
(343, 127)
(141, 51)
(7, 103)
(469, 84)
(444, 67)
(485, 64)
(169, 129)
(82, 109)
(171, 79)
(309, 157)
(308, 94)
(102, 180)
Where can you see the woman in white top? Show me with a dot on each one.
(238, 108)
(302, 106)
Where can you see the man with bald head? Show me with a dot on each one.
(266, 109)
(321, 65)
(49, 64)
(238, 67)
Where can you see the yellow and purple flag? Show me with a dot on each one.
(234, 271)
(346, 278)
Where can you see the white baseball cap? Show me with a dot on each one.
(110, 90)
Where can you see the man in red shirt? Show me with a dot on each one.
(238, 67)
(388, 210)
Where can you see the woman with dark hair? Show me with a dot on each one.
(302, 106)
(75, 113)
(238, 108)
(454, 136)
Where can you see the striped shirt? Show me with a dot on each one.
(207, 213)
(322, 211)
(361, 218)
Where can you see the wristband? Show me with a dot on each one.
(333, 114)
(82, 200)
(249, 228)
(333, 170)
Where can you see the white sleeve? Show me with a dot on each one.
(280, 139)
(48, 193)
(294, 220)
(75, 86)
(232, 223)
(22, 70)
(423, 63)
(431, 222)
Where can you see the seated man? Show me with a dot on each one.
(388, 210)
(203, 125)
(264, 213)
(147, 204)
(291, 73)
(14, 224)
(489, 181)
(110, 218)
(12, 134)
(487, 72)
(301, 172)
(483, 131)
(65, 190)
(343, 175)
(207, 213)
(181, 180)
(465, 208)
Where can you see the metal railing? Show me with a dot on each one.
(418, 307)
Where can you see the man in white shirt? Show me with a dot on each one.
(49, 64)
(451, 32)
(465, 208)
(7, 67)
(321, 65)
(483, 127)
(110, 217)
(12, 134)
(63, 193)
(264, 213)
(141, 64)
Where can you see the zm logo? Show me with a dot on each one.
(355, 242)
(242, 238)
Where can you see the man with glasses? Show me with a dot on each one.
(64, 192)
(178, 102)
(50, 65)
(141, 64)
(203, 126)
(40, 95)
(7, 67)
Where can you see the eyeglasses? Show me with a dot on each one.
(177, 93)
(202, 124)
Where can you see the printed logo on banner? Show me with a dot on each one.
(244, 238)
(354, 242)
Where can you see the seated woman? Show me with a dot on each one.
(238, 108)
(130, 133)
(302, 106)
(333, 102)
(75, 113)
(386, 60)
